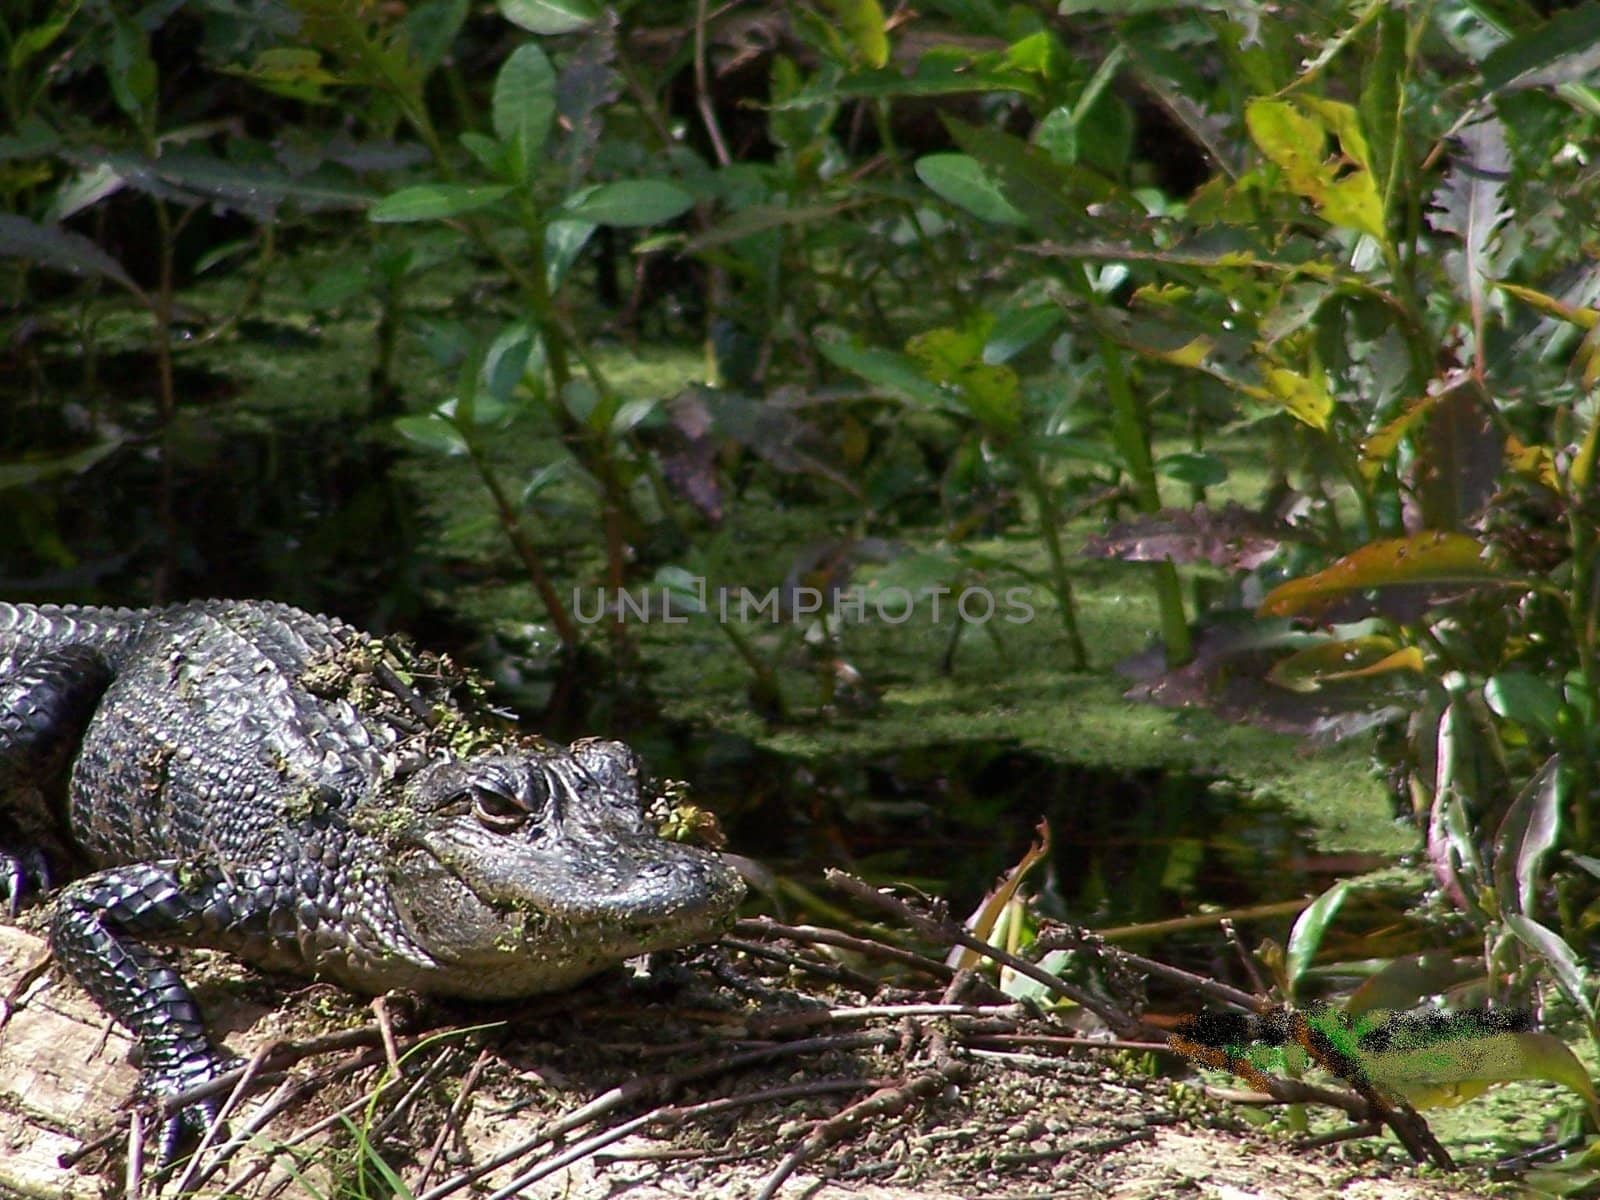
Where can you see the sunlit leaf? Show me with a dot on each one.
(1428, 558)
(1305, 397)
(1527, 833)
(861, 24)
(1293, 138)
(1564, 963)
(549, 16)
(1582, 317)
(1351, 658)
(1463, 1062)
(1470, 204)
(983, 918)
(1532, 462)
(1305, 938)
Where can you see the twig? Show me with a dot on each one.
(941, 928)
(766, 927)
(246, 1078)
(645, 1086)
(884, 1101)
(765, 1026)
(672, 1115)
(1062, 937)
(453, 1117)
(832, 972)
(135, 1183)
(380, 1009)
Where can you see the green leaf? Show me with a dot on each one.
(1563, 961)
(131, 69)
(549, 16)
(432, 201)
(433, 433)
(961, 180)
(431, 29)
(1554, 53)
(1422, 558)
(1015, 329)
(894, 373)
(37, 38)
(630, 203)
(1528, 832)
(1526, 699)
(29, 471)
(506, 360)
(1194, 469)
(564, 240)
(1305, 938)
(524, 107)
(59, 250)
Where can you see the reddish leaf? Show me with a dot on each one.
(1233, 538)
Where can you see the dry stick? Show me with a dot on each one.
(386, 1028)
(644, 1086)
(1070, 1044)
(453, 1117)
(334, 1119)
(135, 1155)
(290, 1092)
(251, 1069)
(766, 927)
(1066, 938)
(833, 972)
(884, 1101)
(763, 1027)
(672, 1115)
(945, 930)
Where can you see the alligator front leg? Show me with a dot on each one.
(95, 934)
(46, 702)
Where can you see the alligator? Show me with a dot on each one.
(248, 777)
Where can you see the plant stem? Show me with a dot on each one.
(1061, 582)
(566, 630)
(1130, 431)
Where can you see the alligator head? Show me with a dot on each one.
(522, 873)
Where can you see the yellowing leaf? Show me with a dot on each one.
(1306, 397)
(984, 919)
(1532, 462)
(1353, 658)
(1583, 318)
(1379, 447)
(1458, 1068)
(1294, 138)
(1190, 354)
(1422, 558)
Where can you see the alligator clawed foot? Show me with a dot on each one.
(22, 873)
(183, 1130)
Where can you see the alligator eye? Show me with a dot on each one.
(499, 813)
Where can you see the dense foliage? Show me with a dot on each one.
(983, 265)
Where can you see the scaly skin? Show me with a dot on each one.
(248, 777)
